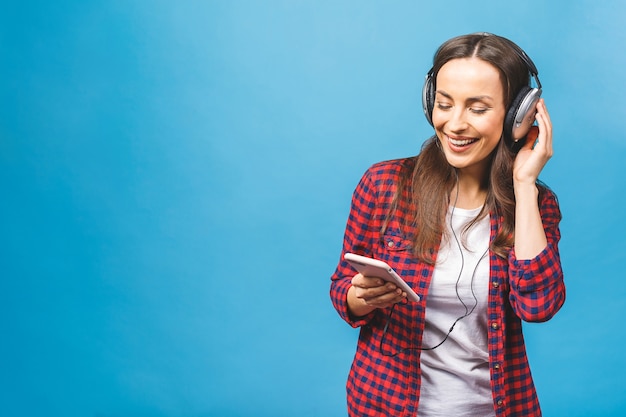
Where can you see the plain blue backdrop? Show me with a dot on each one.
(176, 176)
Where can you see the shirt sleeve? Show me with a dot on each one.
(359, 237)
(537, 286)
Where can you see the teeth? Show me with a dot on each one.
(459, 142)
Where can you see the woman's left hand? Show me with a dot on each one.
(536, 151)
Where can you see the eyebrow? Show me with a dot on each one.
(470, 99)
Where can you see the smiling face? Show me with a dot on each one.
(469, 112)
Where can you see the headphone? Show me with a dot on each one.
(521, 114)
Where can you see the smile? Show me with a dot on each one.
(459, 142)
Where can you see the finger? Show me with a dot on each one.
(532, 134)
(545, 129)
(531, 138)
(387, 299)
(544, 110)
(367, 282)
(375, 292)
(543, 119)
(367, 291)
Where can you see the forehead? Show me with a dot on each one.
(470, 77)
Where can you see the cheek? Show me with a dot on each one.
(492, 126)
(439, 120)
(494, 131)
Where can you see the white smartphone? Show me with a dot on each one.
(375, 268)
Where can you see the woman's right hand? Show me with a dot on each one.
(369, 293)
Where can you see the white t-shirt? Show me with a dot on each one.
(455, 375)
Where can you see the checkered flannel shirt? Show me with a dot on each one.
(530, 290)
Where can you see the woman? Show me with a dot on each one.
(471, 229)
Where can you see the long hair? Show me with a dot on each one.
(431, 179)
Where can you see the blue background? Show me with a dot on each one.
(176, 177)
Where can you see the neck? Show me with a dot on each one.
(472, 192)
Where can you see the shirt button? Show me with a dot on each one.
(495, 284)
(494, 326)
(390, 244)
(496, 366)
(499, 403)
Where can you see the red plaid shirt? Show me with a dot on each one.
(530, 290)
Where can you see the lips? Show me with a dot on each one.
(459, 142)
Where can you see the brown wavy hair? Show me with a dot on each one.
(427, 179)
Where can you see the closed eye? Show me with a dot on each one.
(479, 110)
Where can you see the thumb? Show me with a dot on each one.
(531, 137)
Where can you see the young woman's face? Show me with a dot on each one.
(469, 112)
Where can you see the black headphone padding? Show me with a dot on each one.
(428, 96)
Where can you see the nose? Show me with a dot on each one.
(457, 121)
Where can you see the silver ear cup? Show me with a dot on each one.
(525, 114)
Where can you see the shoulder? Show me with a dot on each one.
(382, 181)
(391, 170)
(548, 201)
(546, 194)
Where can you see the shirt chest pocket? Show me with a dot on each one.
(396, 249)
(394, 241)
